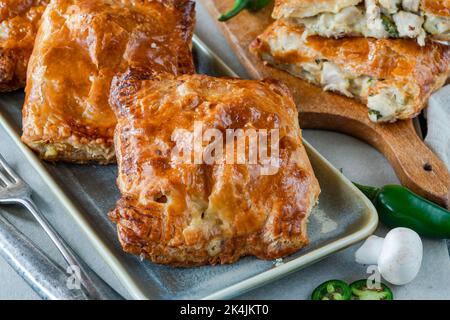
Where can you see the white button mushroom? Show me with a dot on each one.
(399, 255)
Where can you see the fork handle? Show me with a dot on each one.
(46, 278)
(94, 286)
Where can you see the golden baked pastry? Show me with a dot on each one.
(19, 20)
(369, 18)
(393, 77)
(186, 214)
(80, 46)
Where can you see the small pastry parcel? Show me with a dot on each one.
(19, 22)
(80, 46)
(393, 77)
(181, 212)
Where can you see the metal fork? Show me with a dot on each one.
(13, 190)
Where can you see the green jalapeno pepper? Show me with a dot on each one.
(361, 291)
(332, 290)
(240, 5)
(399, 207)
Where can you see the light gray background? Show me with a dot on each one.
(358, 161)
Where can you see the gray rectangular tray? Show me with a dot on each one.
(343, 217)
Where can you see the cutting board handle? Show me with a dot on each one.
(416, 166)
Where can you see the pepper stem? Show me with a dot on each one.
(239, 5)
(370, 192)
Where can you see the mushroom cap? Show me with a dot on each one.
(401, 256)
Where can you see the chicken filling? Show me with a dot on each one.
(384, 106)
(379, 19)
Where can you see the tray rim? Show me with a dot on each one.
(248, 284)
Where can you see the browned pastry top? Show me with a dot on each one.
(189, 214)
(81, 45)
(400, 59)
(19, 20)
(437, 7)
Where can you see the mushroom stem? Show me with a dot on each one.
(370, 251)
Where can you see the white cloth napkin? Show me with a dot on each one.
(438, 119)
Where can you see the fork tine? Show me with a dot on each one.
(4, 179)
(8, 170)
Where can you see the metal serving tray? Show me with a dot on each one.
(343, 217)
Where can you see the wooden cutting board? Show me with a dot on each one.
(415, 165)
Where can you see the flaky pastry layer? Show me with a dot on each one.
(186, 214)
(80, 46)
(19, 22)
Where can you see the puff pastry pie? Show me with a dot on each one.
(80, 46)
(187, 214)
(370, 18)
(393, 77)
(19, 20)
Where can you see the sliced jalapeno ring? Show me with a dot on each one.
(332, 290)
(361, 291)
